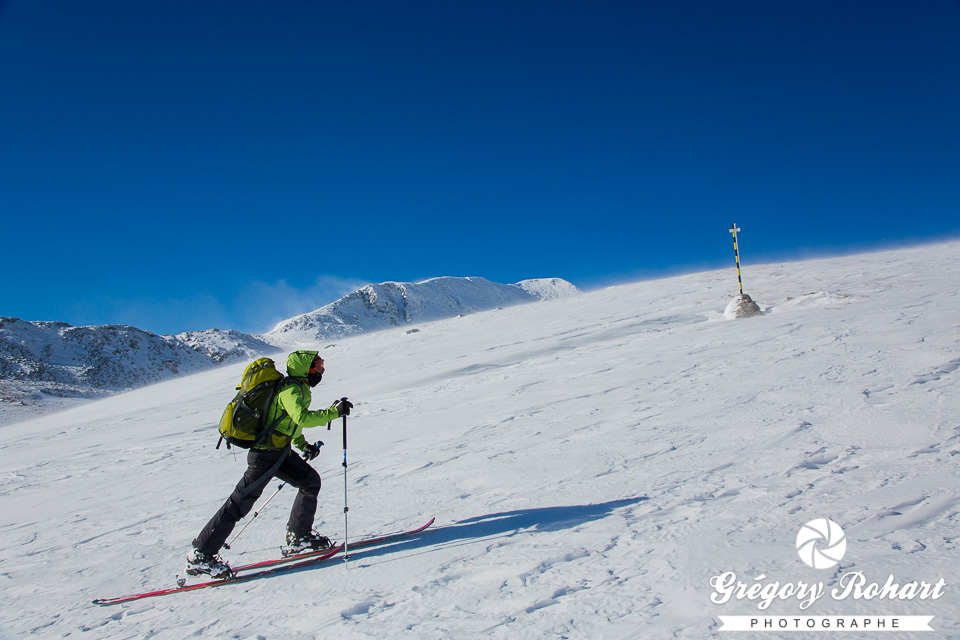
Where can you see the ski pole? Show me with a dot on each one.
(226, 545)
(346, 551)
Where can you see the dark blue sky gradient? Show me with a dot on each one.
(183, 165)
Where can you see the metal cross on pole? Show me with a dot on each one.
(736, 253)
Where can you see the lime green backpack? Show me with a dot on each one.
(244, 421)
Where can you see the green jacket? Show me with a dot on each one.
(294, 398)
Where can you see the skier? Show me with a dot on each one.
(306, 369)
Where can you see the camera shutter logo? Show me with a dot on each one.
(821, 543)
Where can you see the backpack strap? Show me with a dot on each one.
(268, 430)
(266, 433)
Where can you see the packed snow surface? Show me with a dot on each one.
(593, 462)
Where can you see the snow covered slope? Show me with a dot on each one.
(398, 304)
(223, 346)
(593, 463)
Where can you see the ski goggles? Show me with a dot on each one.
(317, 366)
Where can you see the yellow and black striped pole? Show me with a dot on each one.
(736, 254)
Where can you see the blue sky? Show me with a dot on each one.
(183, 165)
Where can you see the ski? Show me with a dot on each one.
(267, 567)
(214, 583)
(353, 545)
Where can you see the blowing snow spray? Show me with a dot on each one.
(743, 305)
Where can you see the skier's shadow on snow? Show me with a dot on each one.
(504, 524)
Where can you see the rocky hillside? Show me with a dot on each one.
(109, 357)
(44, 363)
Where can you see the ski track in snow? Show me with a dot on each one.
(591, 461)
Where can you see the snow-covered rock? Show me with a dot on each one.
(742, 306)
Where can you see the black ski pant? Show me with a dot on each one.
(293, 470)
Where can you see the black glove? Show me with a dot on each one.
(343, 407)
(311, 451)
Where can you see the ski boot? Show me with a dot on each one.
(312, 541)
(205, 564)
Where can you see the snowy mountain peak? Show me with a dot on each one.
(396, 304)
(548, 288)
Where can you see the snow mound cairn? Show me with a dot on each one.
(742, 306)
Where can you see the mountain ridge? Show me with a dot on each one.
(47, 364)
(395, 304)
